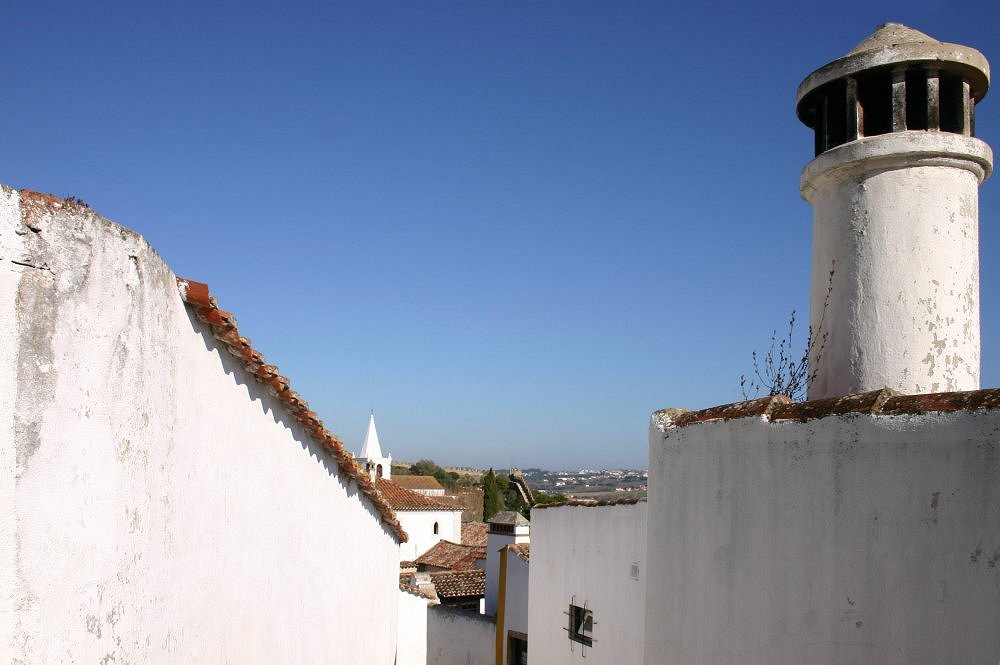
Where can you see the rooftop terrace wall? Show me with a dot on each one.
(856, 530)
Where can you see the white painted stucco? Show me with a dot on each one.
(494, 543)
(10, 248)
(515, 614)
(419, 527)
(585, 555)
(863, 539)
(896, 218)
(459, 637)
(158, 505)
(411, 643)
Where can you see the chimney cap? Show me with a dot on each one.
(896, 44)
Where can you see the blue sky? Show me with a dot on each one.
(513, 228)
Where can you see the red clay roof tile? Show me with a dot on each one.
(446, 554)
(460, 583)
(522, 550)
(475, 533)
(401, 498)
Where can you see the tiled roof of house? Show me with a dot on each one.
(522, 550)
(475, 533)
(446, 554)
(223, 324)
(876, 402)
(401, 498)
(459, 583)
(417, 482)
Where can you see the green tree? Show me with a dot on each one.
(426, 467)
(492, 501)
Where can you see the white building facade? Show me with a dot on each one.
(590, 557)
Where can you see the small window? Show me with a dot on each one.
(517, 648)
(378, 471)
(435, 528)
(581, 625)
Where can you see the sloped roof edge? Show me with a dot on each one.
(223, 324)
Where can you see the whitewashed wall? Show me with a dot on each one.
(419, 527)
(896, 218)
(459, 637)
(862, 539)
(411, 644)
(515, 616)
(158, 506)
(585, 554)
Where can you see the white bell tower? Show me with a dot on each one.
(371, 458)
(895, 192)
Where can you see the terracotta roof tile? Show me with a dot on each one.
(460, 583)
(446, 554)
(876, 402)
(417, 482)
(401, 498)
(522, 550)
(223, 324)
(475, 533)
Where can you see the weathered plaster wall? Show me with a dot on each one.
(585, 554)
(896, 218)
(411, 644)
(10, 249)
(419, 527)
(865, 539)
(159, 505)
(459, 637)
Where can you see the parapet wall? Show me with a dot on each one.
(159, 504)
(857, 530)
(460, 637)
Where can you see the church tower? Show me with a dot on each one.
(371, 458)
(895, 194)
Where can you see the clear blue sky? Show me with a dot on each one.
(513, 228)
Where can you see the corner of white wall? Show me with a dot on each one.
(10, 223)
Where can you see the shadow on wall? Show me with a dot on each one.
(272, 407)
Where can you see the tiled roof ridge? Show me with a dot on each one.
(875, 402)
(522, 550)
(590, 503)
(223, 324)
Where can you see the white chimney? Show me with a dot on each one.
(895, 191)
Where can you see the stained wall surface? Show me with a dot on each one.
(856, 538)
(460, 637)
(586, 555)
(159, 506)
(895, 269)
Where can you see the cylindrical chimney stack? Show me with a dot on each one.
(895, 192)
